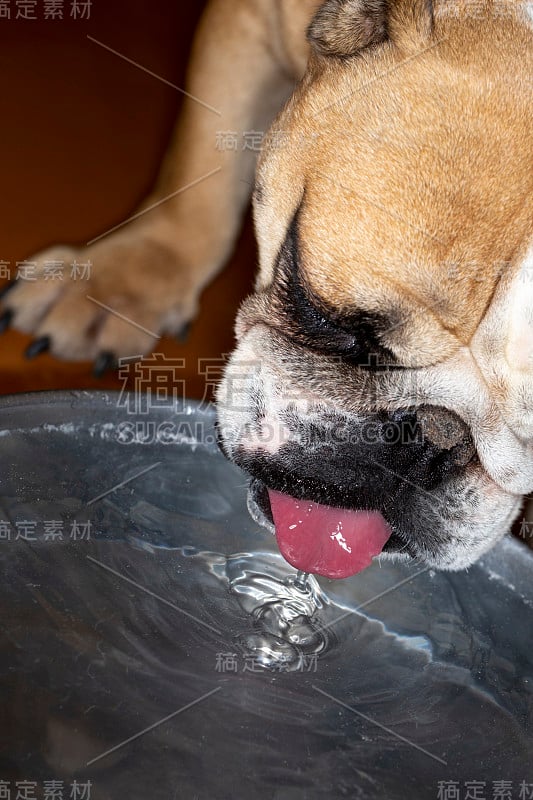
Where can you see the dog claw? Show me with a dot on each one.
(183, 334)
(38, 346)
(104, 362)
(7, 288)
(5, 320)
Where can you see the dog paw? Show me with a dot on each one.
(105, 302)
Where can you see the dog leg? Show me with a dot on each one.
(146, 277)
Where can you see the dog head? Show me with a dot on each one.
(385, 361)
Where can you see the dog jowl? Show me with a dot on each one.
(384, 363)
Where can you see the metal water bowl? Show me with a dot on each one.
(133, 653)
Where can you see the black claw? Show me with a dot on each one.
(38, 346)
(7, 288)
(104, 362)
(183, 334)
(5, 320)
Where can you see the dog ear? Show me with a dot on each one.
(344, 28)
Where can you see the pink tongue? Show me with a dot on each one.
(327, 541)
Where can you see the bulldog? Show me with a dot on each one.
(381, 391)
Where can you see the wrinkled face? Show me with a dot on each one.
(385, 361)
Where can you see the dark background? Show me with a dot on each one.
(83, 133)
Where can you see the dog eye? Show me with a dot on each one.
(352, 335)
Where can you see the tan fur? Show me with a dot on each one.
(405, 209)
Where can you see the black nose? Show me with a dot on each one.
(372, 463)
(447, 432)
